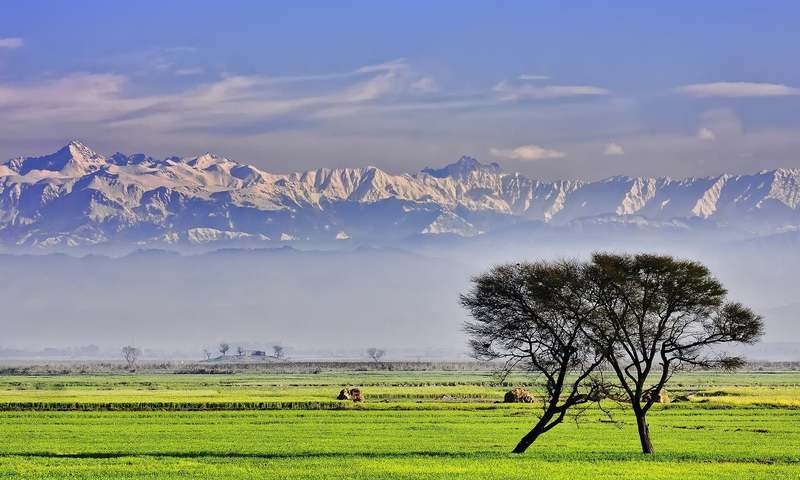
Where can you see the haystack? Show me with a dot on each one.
(344, 395)
(661, 396)
(518, 395)
(353, 394)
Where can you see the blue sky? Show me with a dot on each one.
(584, 89)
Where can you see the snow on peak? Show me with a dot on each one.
(450, 223)
(78, 145)
(73, 159)
(707, 204)
(206, 160)
(200, 235)
(785, 187)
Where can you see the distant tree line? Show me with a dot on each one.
(278, 351)
(616, 327)
(131, 354)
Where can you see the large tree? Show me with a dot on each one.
(657, 314)
(531, 317)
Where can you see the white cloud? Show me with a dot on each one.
(425, 84)
(532, 77)
(613, 149)
(738, 89)
(12, 42)
(508, 91)
(706, 134)
(526, 153)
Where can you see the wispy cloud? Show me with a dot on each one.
(234, 100)
(527, 153)
(76, 91)
(11, 42)
(738, 89)
(146, 62)
(613, 149)
(390, 66)
(396, 67)
(509, 91)
(706, 134)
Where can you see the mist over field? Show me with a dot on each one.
(328, 304)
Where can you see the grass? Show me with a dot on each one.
(413, 425)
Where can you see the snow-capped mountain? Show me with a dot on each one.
(78, 197)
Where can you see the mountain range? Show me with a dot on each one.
(76, 197)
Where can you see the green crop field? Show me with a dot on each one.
(412, 425)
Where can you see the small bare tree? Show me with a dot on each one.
(207, 354)
(657, 314)
(278, 352)
(531, 317)
(240, 351)
(223, 348)
(376, 354)
(130, 354)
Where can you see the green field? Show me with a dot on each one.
(412, 425)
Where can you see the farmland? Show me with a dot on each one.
(433, 424)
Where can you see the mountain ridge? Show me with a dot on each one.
(77, 197)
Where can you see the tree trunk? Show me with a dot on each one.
(644, 432)
(531, 436)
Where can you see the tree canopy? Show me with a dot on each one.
(640, 316)
(657, 314)
(531, 316)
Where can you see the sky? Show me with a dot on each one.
(553, 90)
